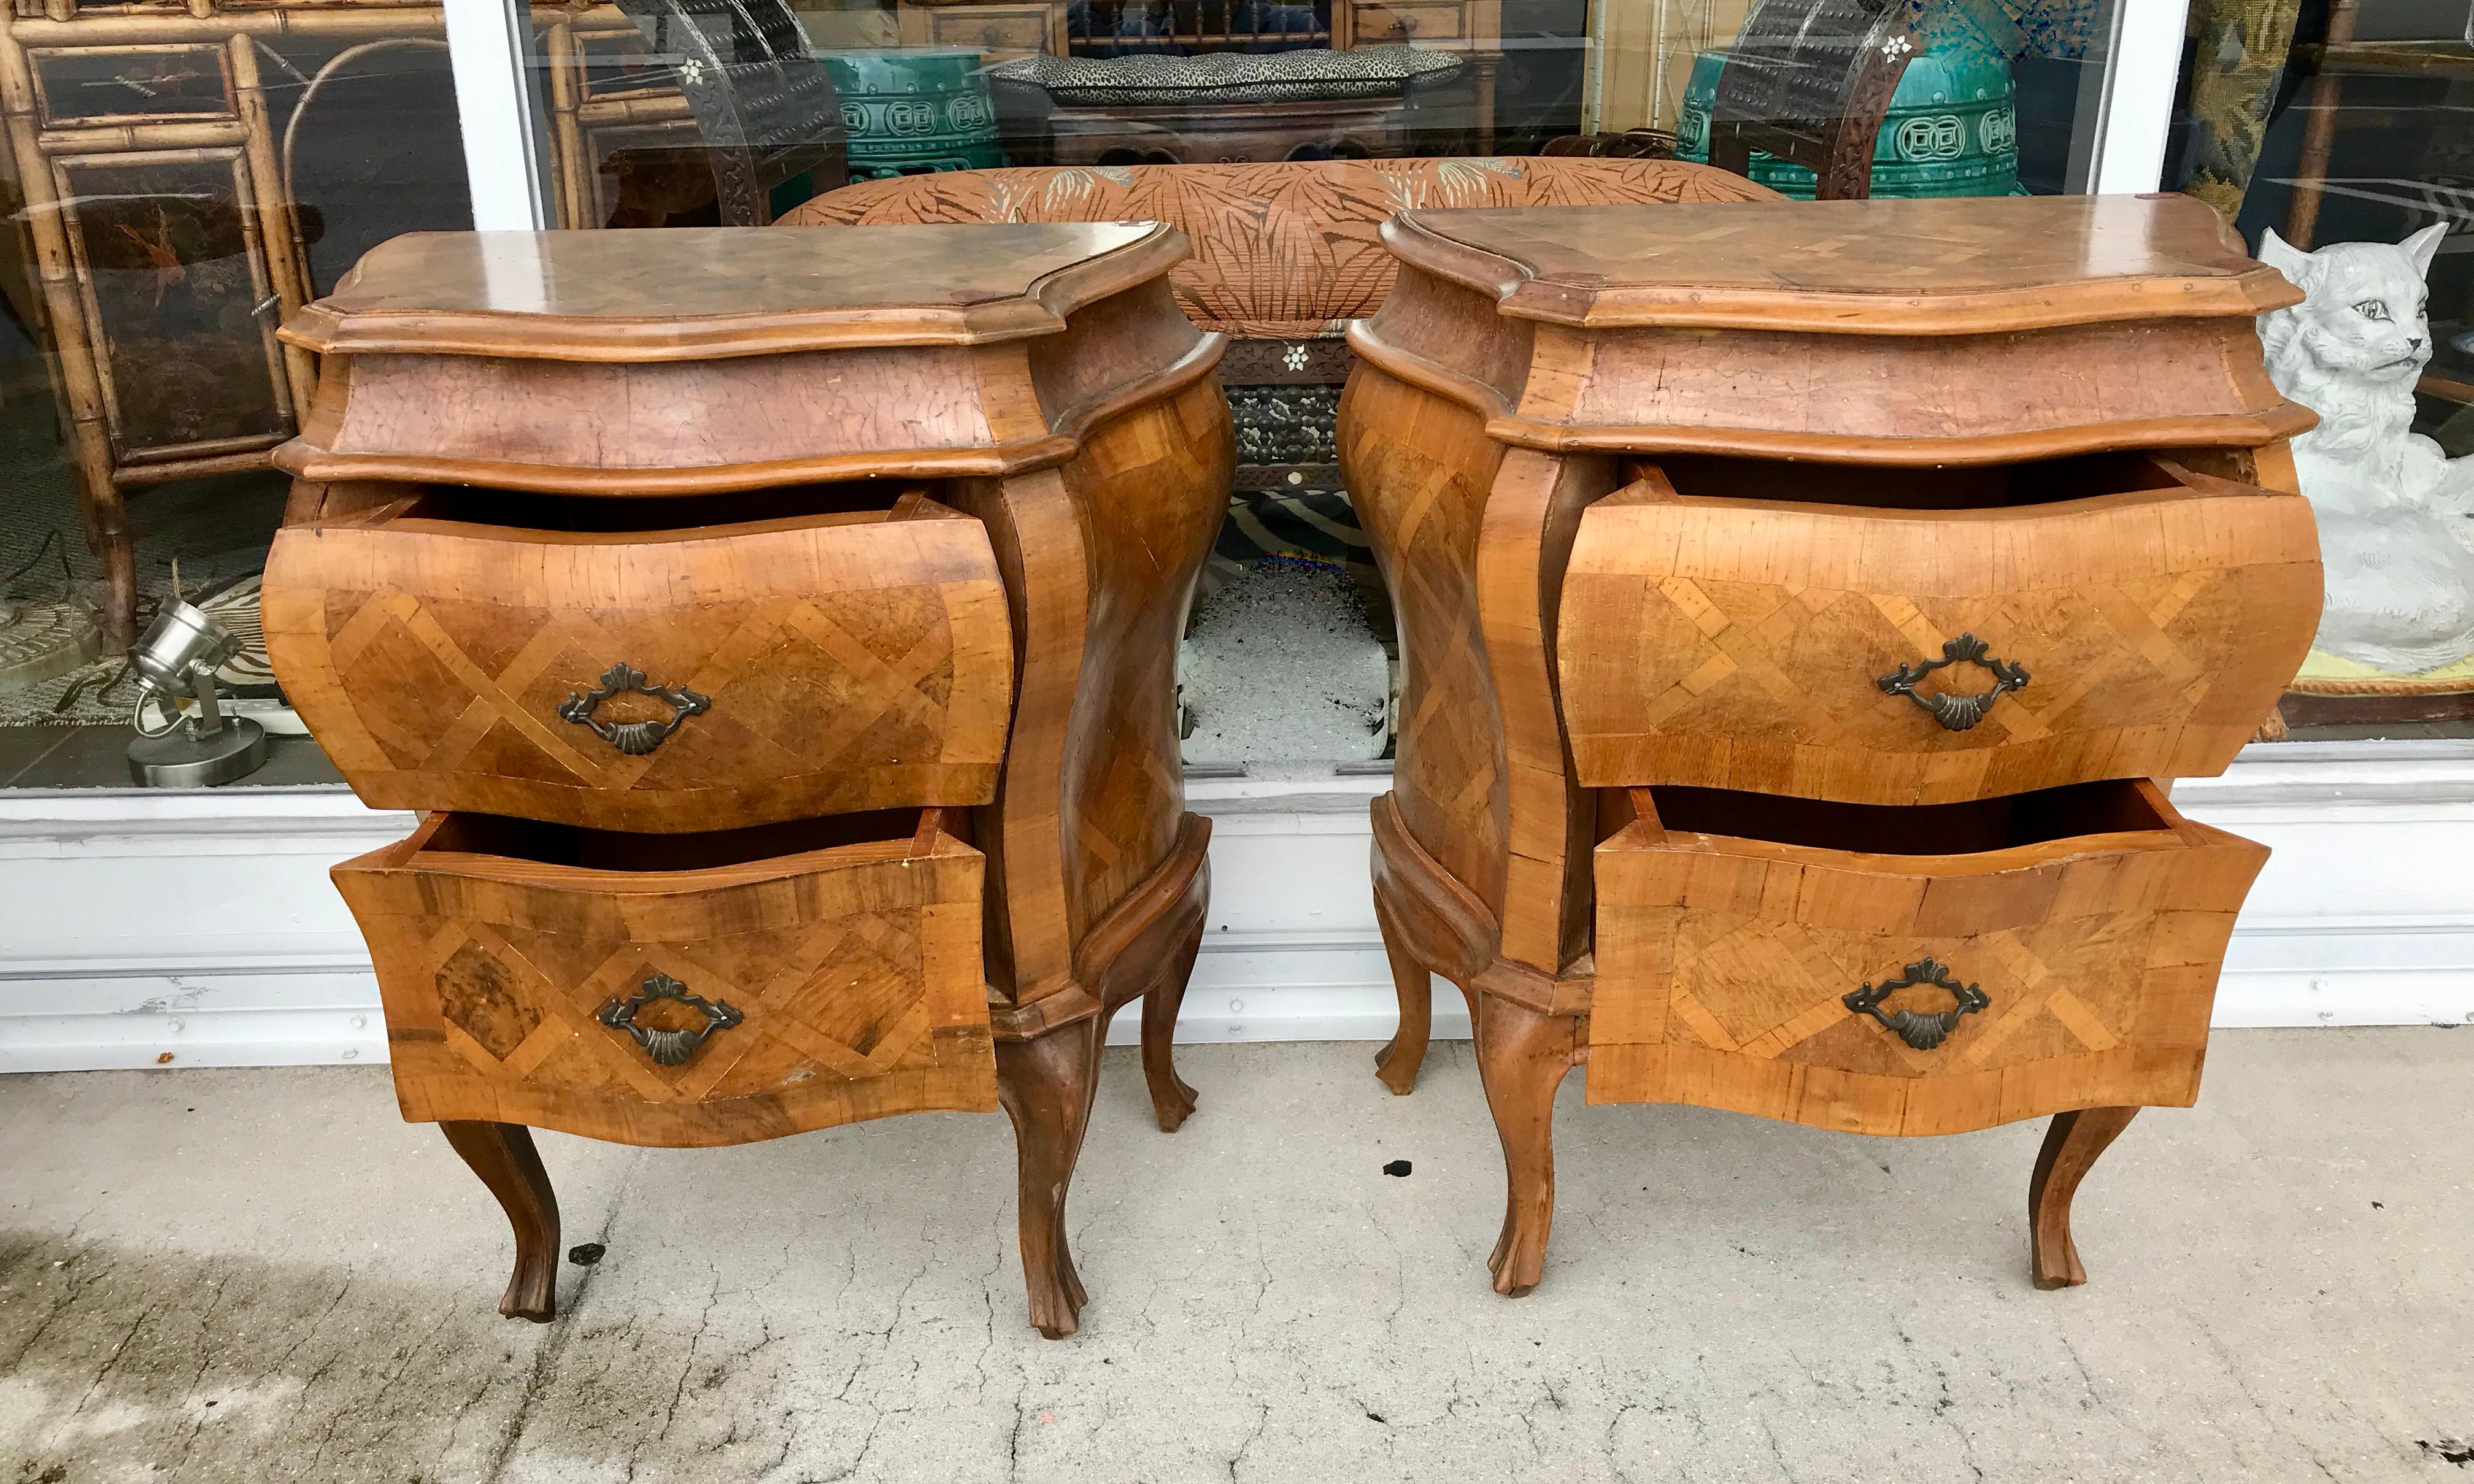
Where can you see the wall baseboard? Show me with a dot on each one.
(164, 929)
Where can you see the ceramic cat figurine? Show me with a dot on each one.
(2395, 514)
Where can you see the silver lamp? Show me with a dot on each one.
(178, 657)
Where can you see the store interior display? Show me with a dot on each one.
(192, 743)
(2396, 511)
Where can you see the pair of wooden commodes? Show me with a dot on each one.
(1801, 608)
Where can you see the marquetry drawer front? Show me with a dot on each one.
(666, 680)
(610, 996)
(2051, 971)
(1891, 656)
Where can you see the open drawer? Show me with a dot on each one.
(1922, 970)
(474, 649)
(1896, 636)
(687, 990)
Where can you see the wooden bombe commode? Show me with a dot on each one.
(778, 631)
(1802, 607)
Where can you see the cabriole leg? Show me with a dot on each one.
(503, 1155)
(1171, 1099)
(1046, 1084)
(1523, 1056)
(2070, 1149)
(1397, 1062)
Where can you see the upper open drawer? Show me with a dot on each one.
(1930, 636)
(647, 679)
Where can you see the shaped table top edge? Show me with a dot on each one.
(2224, 280)
(1125, 256)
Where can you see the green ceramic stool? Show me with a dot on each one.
(913, 110)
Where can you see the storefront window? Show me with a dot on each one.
(2334, 136)
(178, 179)
(184, 182)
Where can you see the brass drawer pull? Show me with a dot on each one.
(667, 1048)
(1955, 711)
(1924, 1033)
(632, 738)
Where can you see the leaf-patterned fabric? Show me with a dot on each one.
(1284, 251)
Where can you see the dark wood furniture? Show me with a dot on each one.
(780, 630)
(1800, 607)
(1810, 82)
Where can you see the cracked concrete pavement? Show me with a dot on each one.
(264, 1276)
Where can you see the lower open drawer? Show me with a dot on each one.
(1916, 970)
(680, 990)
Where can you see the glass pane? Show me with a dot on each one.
(2339, 143)
(176, 186)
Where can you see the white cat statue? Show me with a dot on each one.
(2395, 514)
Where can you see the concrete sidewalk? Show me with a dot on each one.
(265, 1275)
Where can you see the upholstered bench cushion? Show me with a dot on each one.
(1311, 75)
(1281, 251)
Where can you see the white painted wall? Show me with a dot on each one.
(201, 928)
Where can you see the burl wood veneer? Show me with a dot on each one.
(1800, 606)
(778, 632)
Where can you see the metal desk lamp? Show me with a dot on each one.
(178, 657)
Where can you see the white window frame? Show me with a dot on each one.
(497, 109)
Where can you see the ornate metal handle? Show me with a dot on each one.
(667, 1048)
(1955, 711)
(1922, 1032)
(632, 738)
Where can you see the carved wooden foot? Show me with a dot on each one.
(2070, 1149)
(1171, 1099)
(503, 1154)
(1397, 1062)
(1521, 1057)
(1046, 1084)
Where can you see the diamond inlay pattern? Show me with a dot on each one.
(1722, 967)
(1428, 474)
(848, 666)
(1729, 645)
(859, 980)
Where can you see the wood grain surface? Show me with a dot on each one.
(1738, 643)
(701, 293)
(855, 966)
(1916, 332)
(851, 662)
(1723, 958)
(1957, 266)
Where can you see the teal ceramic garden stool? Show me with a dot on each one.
(912, 110)
(1951, 129)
